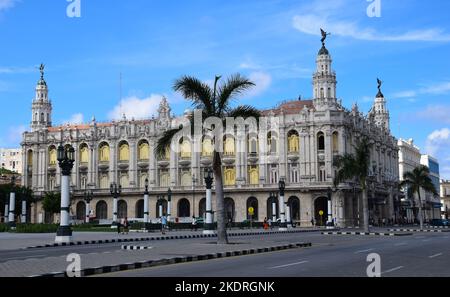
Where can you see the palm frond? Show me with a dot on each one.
(165, 141)
(244, 111)
(235, 85)
(196, 91)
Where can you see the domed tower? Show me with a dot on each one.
(42, 106)
(164, 113)
(379, 113)
(324, 79)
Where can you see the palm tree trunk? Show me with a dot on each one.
(222, 237)
(365, 206)
(420, 210)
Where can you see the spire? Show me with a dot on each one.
(41, 107)
(379, 113)
(380, 94)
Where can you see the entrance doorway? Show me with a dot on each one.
(321, 207)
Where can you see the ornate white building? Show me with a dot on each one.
(300, 150)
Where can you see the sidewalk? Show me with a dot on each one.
(158, 255)
(14, 241)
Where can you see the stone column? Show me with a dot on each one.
(12, 209)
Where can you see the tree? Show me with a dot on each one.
(417, 179)
(356, 166)
(52, 202)
(22, 193)
(213, 102)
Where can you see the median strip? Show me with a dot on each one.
(366, 233)
(418, 230)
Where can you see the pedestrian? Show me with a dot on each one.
(163, 224)
(265, 225)
(118, 226)
(312, 222)
(126, 226)
(194, 223)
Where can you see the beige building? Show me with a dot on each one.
(11, 159)
(298, 145)
(445, 197)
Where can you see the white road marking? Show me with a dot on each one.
(25, 257)
(401, 243)
(426, 239)
(291, 264)
(363, 251)
(434, 256)
(393, 269)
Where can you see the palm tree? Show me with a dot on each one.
(356, 166)
(213, 102)
(416, 179)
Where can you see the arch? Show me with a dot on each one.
(293, 142)
(124, 180)
(122, 209)
(139, 209)
(253, 174)
(185, 148)
(272, 142)
(320, 203)
(184, 208)
(144, 150)
(252, 144)
(52, 158)
(81, 211)
(207, 147)
(103, 152)
(186, 179)
(294, 204)
(252, 202)
(42, 117)
(202, 208)
(269, 207)
(101, 210)
(84, 153)
(104, 181)
(124, 152)
(229, 146)
(320, 141)
(162, 202)
(229, 209)
(335, 142)
(230, 176)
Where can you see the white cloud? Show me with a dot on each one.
(9, 70)
(437, 113)
(262, 82)
(440, 88)
(320, 15)
(405, 94)
(75, 119)
(7, 4)
(134, 107)
(437, 145)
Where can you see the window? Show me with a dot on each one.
(52, 156)
(293, 142)
(185, 148)
(273, 174)
(253, 145)
(253, 175)
(335, 142)
(272, 143)
(144, 151)
(230, 176)
(124, 181)
(229, 146)
(142, 178)
(124, 152)
(207, 147)
(322, 174)
(101, 210)
(320, 141)
(104, 153)
(104, 181)
(84, 154)
(186, 179)
(164, 178)
(293, 173)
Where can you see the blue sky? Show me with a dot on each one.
(274, 42)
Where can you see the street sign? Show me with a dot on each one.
(251, 211)
(321, 212)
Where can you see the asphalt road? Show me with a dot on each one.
(426, 255)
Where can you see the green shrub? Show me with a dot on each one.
(4, 227)
(36, 228)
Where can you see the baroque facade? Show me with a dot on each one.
(308, 134)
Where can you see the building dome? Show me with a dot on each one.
(323, 51)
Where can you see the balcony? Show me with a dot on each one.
(163, 162)
(293, 156)
(252, 157)
(103, 165)
(206, 159)
(184, 160)
(83, 166)
(51, 168)
(123, 165)
(228, 158)
(143, 164)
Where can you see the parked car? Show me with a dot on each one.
(439, 222)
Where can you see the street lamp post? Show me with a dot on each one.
(193, 194)
(24, 211)
(160, 204)
(274, 207)
(209, 227)
(146, 212)
(330, 210)
(282, 187)
(88, 195)
(12, 204)
(115, 192)
(66, 158)
(6, 214)
(169, 202)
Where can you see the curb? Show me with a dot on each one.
(135, 247)
(366, 233)
(103, 241)
(168, 261)
(418, 230)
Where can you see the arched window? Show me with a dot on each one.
(124, 181)
(140, 209)
(252, 145)
(320, 141)
(272, 143)
(207, 147)
(42, 116)
(335, 142)
(294, 204)
(81, 211)
(229, 146)
(252, 202)
(184, 208)
(293, 142)
(84, 154)
(185, 148)
(52, 156)
(104, 181)
(101, 210)
(271, 202)
(186, 179)
(253, 175)
(230, 176)
(124, 152)
(229, 209)
(202, 208)
(164, 178)
(104, 152)
(122, 209)
(144, 151)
